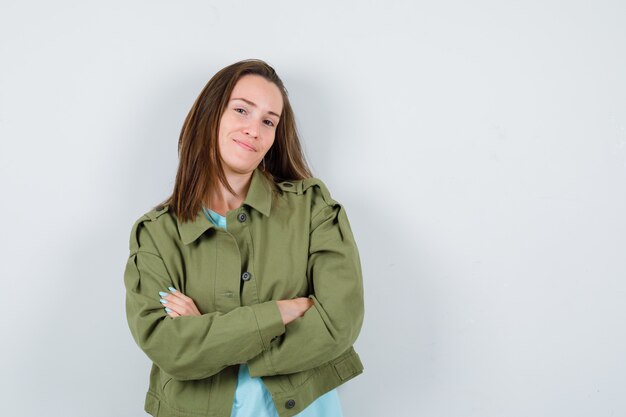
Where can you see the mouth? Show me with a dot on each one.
(245, 146)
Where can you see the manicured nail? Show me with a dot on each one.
(169, 310)
(163, 294)
(163, 301)
(172, 289)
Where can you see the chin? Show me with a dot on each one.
(240, 168)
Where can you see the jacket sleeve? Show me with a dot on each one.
(189, 347)
(332, 324)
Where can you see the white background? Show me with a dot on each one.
(479, 149)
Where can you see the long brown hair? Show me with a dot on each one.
(200, 166)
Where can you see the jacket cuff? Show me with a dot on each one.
(269, 322)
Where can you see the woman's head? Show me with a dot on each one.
(215, 125)
(247, 128)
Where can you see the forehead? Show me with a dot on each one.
(265, 94)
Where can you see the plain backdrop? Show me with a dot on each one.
(479, 149)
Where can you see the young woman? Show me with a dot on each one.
(244, 287)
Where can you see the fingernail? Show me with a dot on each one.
(172, 289)
(163, 301)
(169, 310)
(163, 294)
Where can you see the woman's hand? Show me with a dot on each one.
(178, 304)
(292, 309)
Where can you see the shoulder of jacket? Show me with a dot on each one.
(157, 211)
(307, 185)
(152, 215)
(291, 186)
(320, 186)
(148, 217)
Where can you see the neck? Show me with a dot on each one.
(221, 200)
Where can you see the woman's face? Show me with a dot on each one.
(248, 125)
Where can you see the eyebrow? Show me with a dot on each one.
(254, 105)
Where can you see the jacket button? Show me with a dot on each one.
(242, 217)
(246, 276)
(287, 184)
(290, 404)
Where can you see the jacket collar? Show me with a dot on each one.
(259, 197)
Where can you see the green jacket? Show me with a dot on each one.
(278, 245)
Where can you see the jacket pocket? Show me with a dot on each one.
(298, 378)
(166, 379)
(191, 396)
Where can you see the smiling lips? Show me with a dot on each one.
(245, 145)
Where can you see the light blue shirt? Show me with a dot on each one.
(252, 399)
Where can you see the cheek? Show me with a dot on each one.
(226, 127)
(271, 138)
(227, 123)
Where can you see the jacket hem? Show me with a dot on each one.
(326, 377)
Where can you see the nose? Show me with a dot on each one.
(252, 129)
